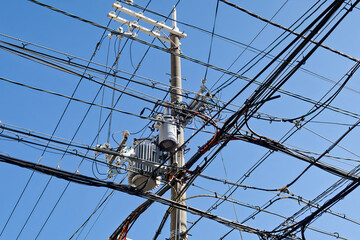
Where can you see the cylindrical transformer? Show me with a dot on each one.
(140, 175)
(167, 134)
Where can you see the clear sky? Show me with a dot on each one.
(51, 208)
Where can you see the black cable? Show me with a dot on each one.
(62, 115)
(121, 94)
(227, 83)
(78, 128)
(82, 179)
(336, 109)
(245, 49)
(259, 92)
(235, 41)
(212, 37)
(288, 30)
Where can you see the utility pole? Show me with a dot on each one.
(178, 219)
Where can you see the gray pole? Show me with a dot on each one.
(178, 217)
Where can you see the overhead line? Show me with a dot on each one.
(288, 30)
(259, 17)
(85, 180)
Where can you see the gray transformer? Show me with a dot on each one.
(139, 175)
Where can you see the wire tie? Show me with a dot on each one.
(24, 44)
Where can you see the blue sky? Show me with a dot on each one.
(39, 111)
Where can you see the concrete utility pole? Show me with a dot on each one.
(178, 217)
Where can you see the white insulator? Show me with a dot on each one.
(168, 134)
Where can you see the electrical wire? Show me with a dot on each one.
(355, 115)
(257, 92)
(81, 179)
(212, 38)
(211, 142)
(62, 115)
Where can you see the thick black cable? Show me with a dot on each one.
(125, 86)
(85, 180)
(261, 90)
(231, 121)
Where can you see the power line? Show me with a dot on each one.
(336, 109)
(288, 30)
(85, 180)
(260, 91)
(20, 197)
